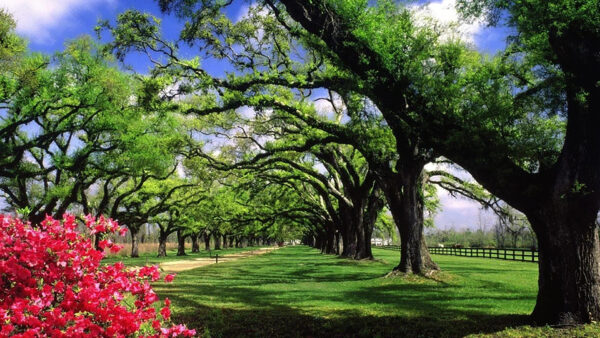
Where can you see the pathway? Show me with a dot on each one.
(188, 264)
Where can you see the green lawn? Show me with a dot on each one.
(296, 291)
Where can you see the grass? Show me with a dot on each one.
(296, 291)
(150, 257)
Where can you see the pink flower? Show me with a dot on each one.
(169, 278)
(53, 283)
(165, 312)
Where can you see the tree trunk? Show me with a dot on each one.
(97, 239)
(348, 232)
(180, 243)
(403, 194)
(217, 238)
(224, 241)
(363, 249)
(337, 242)
(162, 243)
(134, 242)
(569, 266)
(319, 241)
(206, 236)
(328, 236)
(231, 239)
(374, 205)
(330, 242)
(195, 244)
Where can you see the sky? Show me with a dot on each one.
(49, 24)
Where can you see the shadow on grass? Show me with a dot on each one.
(285, 321)
(294, 293)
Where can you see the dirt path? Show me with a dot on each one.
(188, 264)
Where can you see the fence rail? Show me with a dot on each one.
(523, 255)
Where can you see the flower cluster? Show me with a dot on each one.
(52, 284)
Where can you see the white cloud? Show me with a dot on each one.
(459, 212)
(37, 19)
(444, 12)
(244, 11)
(246, 112)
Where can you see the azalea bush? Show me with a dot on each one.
(52, 284)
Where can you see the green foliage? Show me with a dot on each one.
(11, 45)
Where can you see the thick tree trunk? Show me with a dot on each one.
(195, 244)
(134, 242)
(206, 237)
(402, 191)
(338, 238)
(180, 243)
(217, 238)
(374, 205)
(162, 244)
(330, 242)
(569, 266)
(348, 233)
(318, 241)
(224, 241)
(231, 239)
(328, 236)
(363, 249)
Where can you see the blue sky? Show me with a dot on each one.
(49, 24)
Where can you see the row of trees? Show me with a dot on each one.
(523, 123)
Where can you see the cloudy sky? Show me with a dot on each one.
(48, 24)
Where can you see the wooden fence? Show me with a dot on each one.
(523, 255)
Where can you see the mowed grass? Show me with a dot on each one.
(298, 292)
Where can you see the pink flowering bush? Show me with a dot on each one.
(52, 284)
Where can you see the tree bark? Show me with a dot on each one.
(134, 242)
(363, 249)
(348, 228)
(195, 244)
(374, 205)
(403, 194)
(224, 241)
(217, 239)
(162, 243)
(97, 238)
(180, 243)
(569, 266)
(206, 237)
